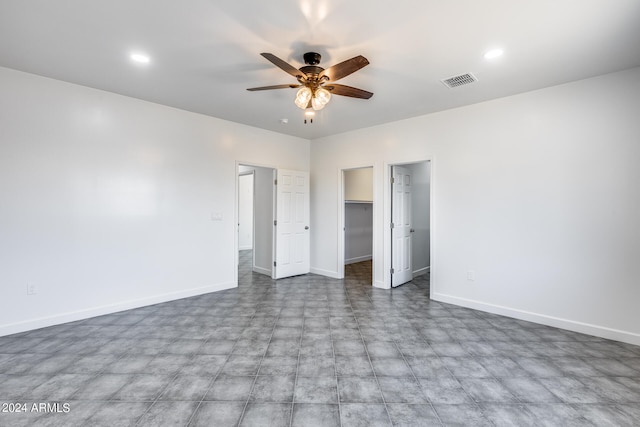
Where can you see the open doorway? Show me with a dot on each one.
(280, 213)
(245, 221)
(357, 220)
(410, 223)
(255, 219)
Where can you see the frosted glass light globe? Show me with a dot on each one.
(302, 97)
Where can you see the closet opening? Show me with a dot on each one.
(357, 216)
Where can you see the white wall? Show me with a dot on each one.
(106, 202)
(358, 184)
(358, 233)
(538, 193)
(245, 212)
(420, 216)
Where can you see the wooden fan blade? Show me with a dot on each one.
(292, 86)
(345, 68)
(343, 90)
(283, 65)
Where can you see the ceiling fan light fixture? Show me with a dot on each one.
(309, 114)
(311, 77)
(302, 97)
(316, 104)
(323, 95)
(320, 98)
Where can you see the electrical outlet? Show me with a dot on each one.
(32, 289)
(471, 275)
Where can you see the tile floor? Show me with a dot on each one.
(313, 351)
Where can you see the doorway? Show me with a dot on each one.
(410, 226)
(255, 219)
(245, 222)
(245, 210)
(357, 223)
(280, 215)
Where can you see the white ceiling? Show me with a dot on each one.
(205, 53)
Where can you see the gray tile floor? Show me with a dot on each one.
(313, 351)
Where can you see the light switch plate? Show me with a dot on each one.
(32, 289)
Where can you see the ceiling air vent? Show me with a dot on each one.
(460, 80)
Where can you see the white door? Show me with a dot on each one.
(292, 224)
(401, 267)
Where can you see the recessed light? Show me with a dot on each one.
(284, 121)
(140, 58)
(494, 53)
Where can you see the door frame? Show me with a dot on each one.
(236, 215)
(386, 221)
(341, 219)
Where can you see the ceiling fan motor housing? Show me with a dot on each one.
(311, 70)
(312, 58)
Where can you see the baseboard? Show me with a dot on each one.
(43, 322)
(380, 284)
(261, 270)
(358, 259)
(571, 325)
(421, 271)
(321, 272)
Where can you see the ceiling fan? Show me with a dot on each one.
(316, 83)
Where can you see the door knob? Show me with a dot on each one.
(411, 230)
(306, 227)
